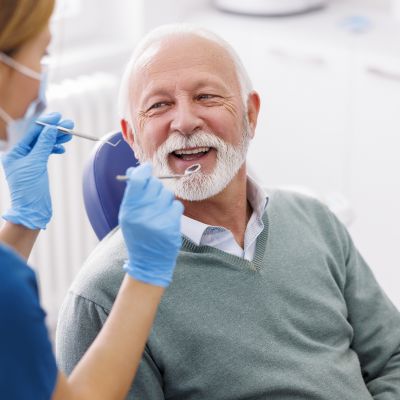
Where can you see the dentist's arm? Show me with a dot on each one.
(117, 348)
(25, 168)
(150, 222)
(20, 238)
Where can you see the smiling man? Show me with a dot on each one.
(270, 298)
(192, 103)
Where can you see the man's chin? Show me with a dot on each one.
(198, 188)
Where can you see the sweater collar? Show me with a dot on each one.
(256, 195)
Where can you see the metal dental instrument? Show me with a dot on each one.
(188, 171)
(75, 133)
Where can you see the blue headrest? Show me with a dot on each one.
(102, 193)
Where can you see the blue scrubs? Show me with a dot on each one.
(27, 365)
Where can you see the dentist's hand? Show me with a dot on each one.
(150, 220)
(25, 168)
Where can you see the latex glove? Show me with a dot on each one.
(25, 166)
(150, 220)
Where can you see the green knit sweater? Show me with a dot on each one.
(304, 320)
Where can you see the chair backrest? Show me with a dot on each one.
(102, 193)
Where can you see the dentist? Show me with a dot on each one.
(24, 37)
(27, 365)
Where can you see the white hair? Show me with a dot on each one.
(157, 35)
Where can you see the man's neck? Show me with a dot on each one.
(229, 209)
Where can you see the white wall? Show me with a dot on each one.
(94, 35)
(156, 12)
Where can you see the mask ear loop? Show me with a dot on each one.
(20, 67)
(5, 117)
(23, 70)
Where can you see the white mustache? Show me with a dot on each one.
(200, 186)
(177, 141)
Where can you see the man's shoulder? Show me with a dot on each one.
(291, 208)
(101, 275)
(303, 208)
(292, 198)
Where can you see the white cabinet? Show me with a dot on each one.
(375, 167)
(301, 136)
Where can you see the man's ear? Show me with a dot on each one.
(127, 132)
(253, 108)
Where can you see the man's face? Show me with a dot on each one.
(187, 109)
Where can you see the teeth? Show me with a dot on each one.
(194, 151)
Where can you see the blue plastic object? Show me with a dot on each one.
(102, 193)
(150, 221)
(25, 166)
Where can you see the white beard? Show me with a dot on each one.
(200, 185)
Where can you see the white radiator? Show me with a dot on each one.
(91, 102)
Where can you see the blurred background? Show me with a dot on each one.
(328, 72)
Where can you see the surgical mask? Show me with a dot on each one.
(17, 128)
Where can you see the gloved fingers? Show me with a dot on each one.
(25, 145)
(132, 191)
(140, 173)
(66, 123)
(45, 143)
(62, 137)
(138, 178)
(65, 137)
(30, 138)
(178, 208)
(51, 119)
(147, 196)
(165, 198)
(151, 192)
(58, 149)
(170, 217)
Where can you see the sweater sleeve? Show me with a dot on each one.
(376, 324)
(79, 323)
(148, 383)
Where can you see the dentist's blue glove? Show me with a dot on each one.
(25, 168)
(150, 220)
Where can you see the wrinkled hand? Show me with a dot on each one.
(25, 167)
(150, 220)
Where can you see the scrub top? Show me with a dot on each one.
(27, 365)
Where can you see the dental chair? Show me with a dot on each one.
(102, 193)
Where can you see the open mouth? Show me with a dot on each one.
(191, 154)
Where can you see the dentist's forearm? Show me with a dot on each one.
(107, 369)
(19, 237)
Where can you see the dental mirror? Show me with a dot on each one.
(188, 171)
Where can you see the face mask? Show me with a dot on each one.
(17, 128)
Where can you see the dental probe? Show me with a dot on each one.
(75, 133)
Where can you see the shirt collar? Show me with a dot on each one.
(257, 197)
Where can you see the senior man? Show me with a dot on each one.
(270, 298)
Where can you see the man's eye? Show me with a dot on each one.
(158, 105)
(206, 96)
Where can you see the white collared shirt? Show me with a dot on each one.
(222, 238)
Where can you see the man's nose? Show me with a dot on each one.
(186, 120)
